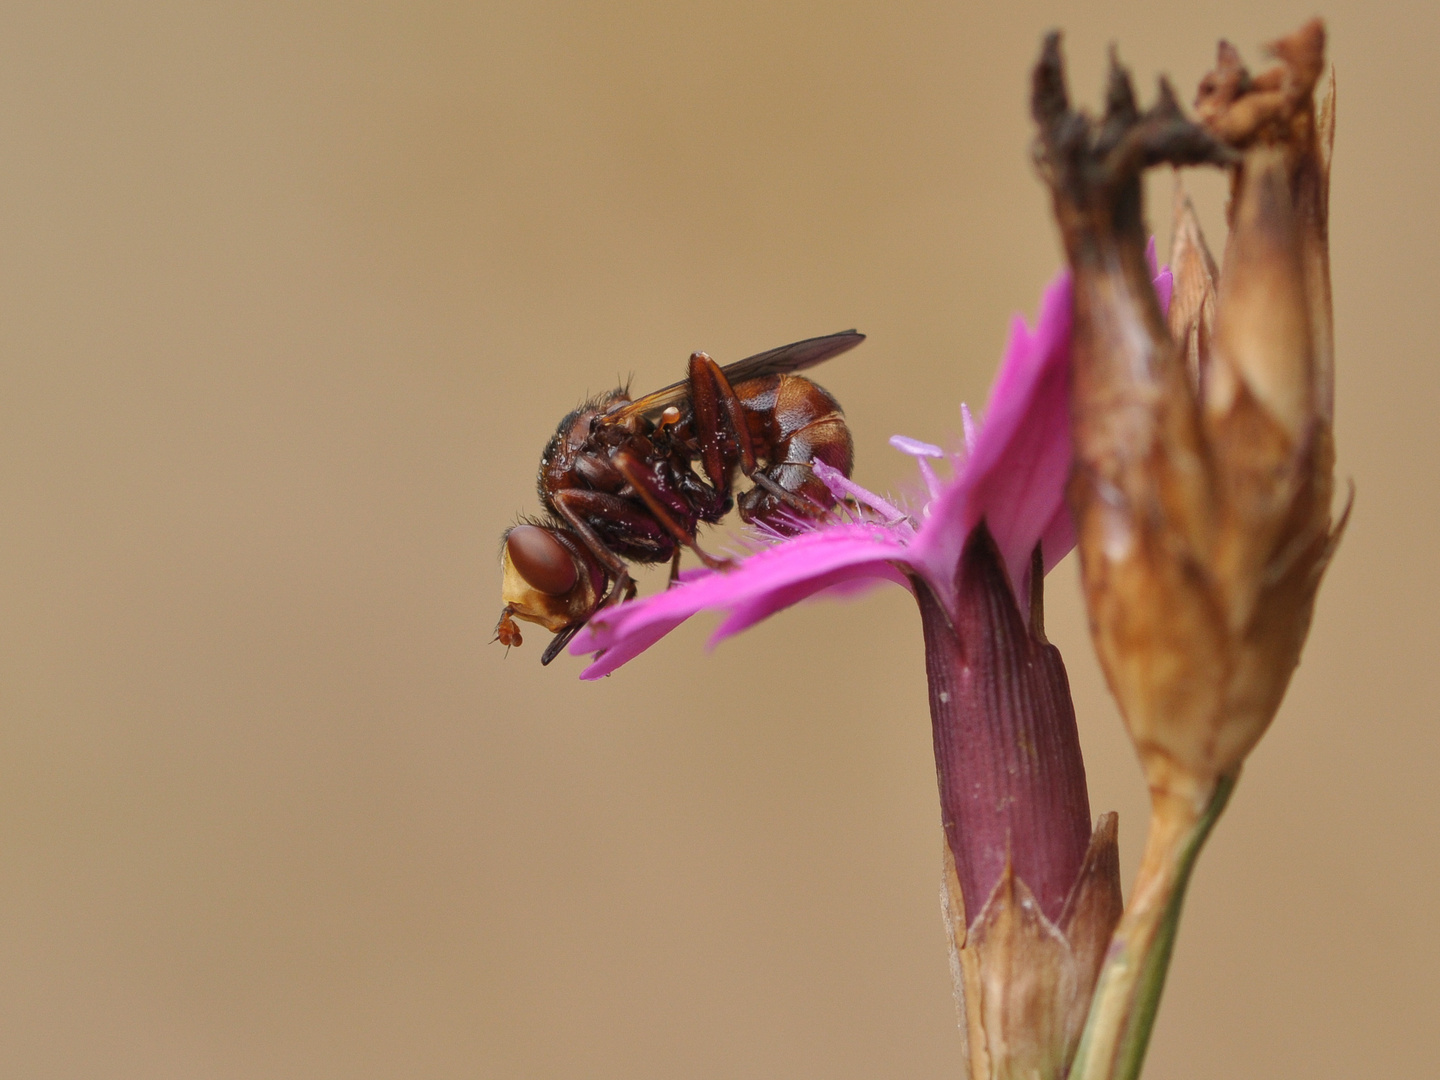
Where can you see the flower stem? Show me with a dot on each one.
(1127, 996)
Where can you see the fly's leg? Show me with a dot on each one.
(710, 395)
(572, 503)
(639, 477)
(674, 570)
(800, 503)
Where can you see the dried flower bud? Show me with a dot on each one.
(1203, 467)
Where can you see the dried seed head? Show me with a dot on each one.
(1203, 464)
(1263, 336)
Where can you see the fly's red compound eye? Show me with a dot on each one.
(541, 560)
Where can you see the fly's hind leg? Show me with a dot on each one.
(797, 501)
(710, 395)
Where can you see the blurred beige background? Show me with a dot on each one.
(292, 296)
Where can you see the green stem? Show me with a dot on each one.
(1127, 995)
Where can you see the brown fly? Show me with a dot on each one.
(619, 484)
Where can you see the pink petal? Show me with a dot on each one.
(1164, 279)
(1022, 458)
(1015, 474)
(1165, 288)
(1019, 462)
(629, 647)
(771, 579)
(847, 581)
(914, 447)
(1058, 537)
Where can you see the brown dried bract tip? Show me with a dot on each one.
(1276, 106)
(1277, 110)
(1192, 300)
(1094, 167)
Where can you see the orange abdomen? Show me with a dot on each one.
(792, 422)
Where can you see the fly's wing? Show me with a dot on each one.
(796, 356)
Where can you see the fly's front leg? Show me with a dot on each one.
(642, 479)
(711, 395)
(572, 504)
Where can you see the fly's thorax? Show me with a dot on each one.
(574, 435)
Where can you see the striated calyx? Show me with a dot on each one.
(1203, 461)
(1007, 749)
(1031, 896)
